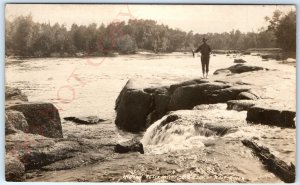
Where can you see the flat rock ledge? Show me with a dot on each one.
(138, 106)
(265, 112)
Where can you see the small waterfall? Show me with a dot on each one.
(172, 133)
(186, 129)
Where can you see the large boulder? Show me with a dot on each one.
(187, 97)
(238, 68)
(138, 107)
(42, 118)
(132, 106)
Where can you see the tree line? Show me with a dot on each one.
(24, 37)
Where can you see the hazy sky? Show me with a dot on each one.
(198, 18)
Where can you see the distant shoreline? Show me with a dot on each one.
(263, 51)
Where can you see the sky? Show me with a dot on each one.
(197, 18)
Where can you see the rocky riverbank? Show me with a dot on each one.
(35, 140)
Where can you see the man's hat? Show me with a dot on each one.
(204, 39)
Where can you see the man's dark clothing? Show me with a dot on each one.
(205, 52)
(205, 63)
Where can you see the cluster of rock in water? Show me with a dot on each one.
(34, 137)
(138, 107)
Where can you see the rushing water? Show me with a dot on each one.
(90, 86)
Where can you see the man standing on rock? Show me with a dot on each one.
(205, 54)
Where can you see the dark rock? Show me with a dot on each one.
(247, 96)
(240, 105)
(161, 102)
(238, 68)
(211, 129)
(130, 146)
(186, 83)
(35, 151)
(285, 172)
(90, 120)
(42, 118)
(239, 61)
(137, 108)
(14, 168)
(276, 56)
(169, 119)
(132, 107)
(157, 90)
(271, 116)
(246, 53)
(79, 160)
(14, 94)
(187, 97)
(15, 120)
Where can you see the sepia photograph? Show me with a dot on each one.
(197, 93)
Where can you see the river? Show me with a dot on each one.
(90, 86)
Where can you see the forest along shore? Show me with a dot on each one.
(236, 126)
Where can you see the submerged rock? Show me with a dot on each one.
(240, 105)
(276, 56)
(130, 146)
(239, 61)
(90, 120)
(180, 127)
(14, 94)
(238, 68)
(42, 118)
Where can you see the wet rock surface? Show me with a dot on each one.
(271, 116)
(241, 61)
(132, 145)
(238, 68)
(12, 94)
(240, 105)
(85, 120)
(285, 172)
